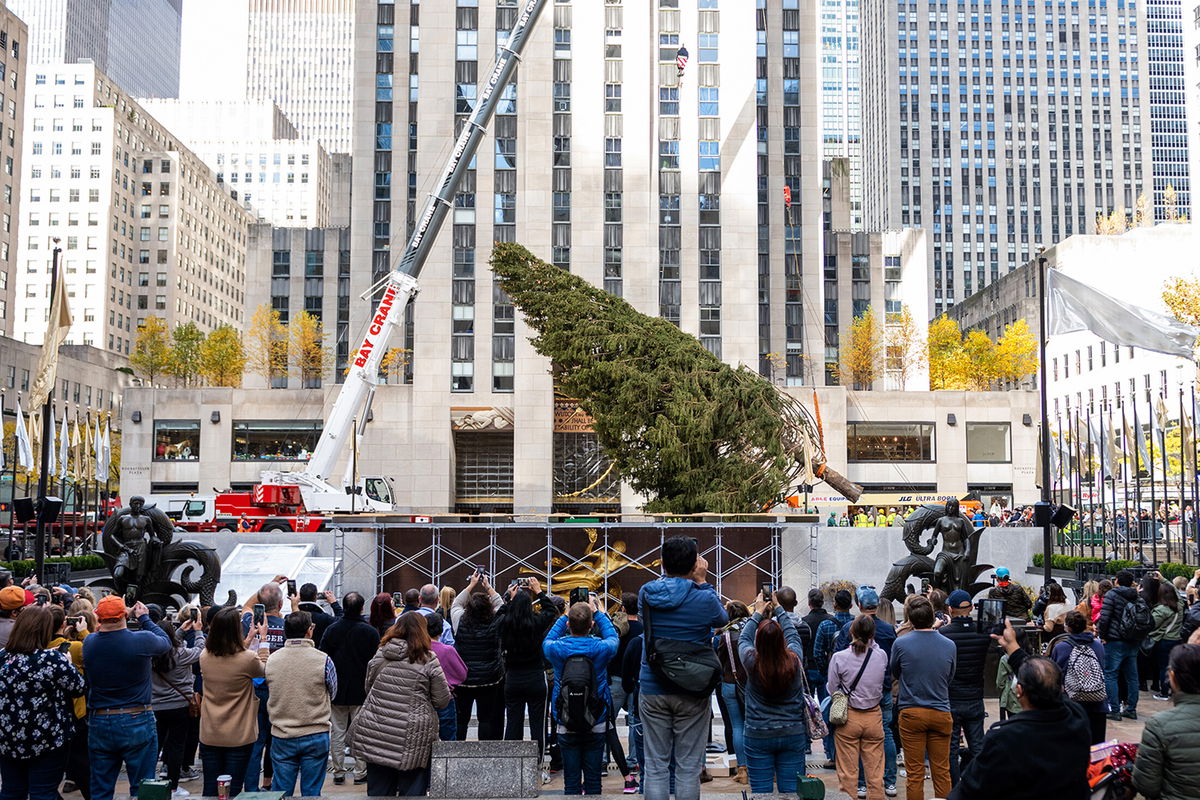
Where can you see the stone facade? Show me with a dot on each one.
(939, 451)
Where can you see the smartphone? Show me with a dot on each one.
(42, 600)
(579, 595)
(924, 585)
(291, 586)
(990, 616)
(73, 621)
(398, 599)
(260, 613)
(482, 570)
(767, 591)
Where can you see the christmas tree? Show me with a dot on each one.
(684, 428)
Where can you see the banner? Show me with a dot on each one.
(56, 333)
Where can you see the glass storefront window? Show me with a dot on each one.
(270, 440)
(890, 441)
(989, 443)
(176, 440)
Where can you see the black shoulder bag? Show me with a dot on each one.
(685, 667)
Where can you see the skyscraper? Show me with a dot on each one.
(841, 93)
(1168, 107)
(144, 227)
(606, 159)
(14, 52)
(1001, 127)
(135, 42)
(295, 53)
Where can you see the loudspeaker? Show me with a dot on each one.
(1042, 512)
(23, 508)
(1063, 516)
(48, 509)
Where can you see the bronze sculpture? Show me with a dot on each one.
(955, 565)
(147, 564)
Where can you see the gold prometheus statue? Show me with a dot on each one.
(592, 568)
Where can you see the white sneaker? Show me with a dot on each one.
(862, 792)
(889, 789)
(545, 777)
(181, 792)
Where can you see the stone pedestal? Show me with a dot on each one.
(485, 769)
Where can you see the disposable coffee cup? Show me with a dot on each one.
(223, 782)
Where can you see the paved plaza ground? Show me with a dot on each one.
(1125, 731)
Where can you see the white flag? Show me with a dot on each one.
(96, 449)
(24, 448)
(1075, 306)
(51, 453)
(64, 454)
(105, 455)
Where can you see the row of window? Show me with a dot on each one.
(257, 440)
(987, 442)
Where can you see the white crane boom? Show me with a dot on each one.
(401, 284)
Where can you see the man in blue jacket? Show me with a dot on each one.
(121, 724)
(680, 606)
(570, 636)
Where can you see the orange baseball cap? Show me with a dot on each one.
(110, 608)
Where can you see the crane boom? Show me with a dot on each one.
(401, 284)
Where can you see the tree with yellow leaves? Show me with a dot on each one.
(862, 351)
(306, 345)
(222, 358)
(1182, 296)
(394, 360)
(905, 345)
(267, 345)
(151, 356)
(1143, 215)
(980, 362)
(1170, 202)
(943, 351)
(1016, 352)
(1113, 224)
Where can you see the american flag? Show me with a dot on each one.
(681, 59)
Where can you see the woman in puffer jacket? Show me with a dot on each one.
(398, 724)
(1168, 759)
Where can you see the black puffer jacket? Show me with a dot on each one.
(1110, 627)
(972, 647)
(1191, 621)
(479, 647)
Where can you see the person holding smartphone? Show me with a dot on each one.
(477, 640)
(270, 598)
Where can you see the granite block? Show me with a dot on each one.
(499, 769)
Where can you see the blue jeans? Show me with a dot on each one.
(581, 753)
(254, 767)
(304, 756)
(1120, 658)
(968, 718)
(121, 739)
(218, 761)
(448, 723)
(775, 761)
(887, 705)
(1162, 658)
(737, 721)
(818, 680)
(36, 778)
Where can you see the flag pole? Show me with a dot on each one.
(1129, 524)
(1195, 477)
(1047, 537)
(1183, 466)
(12, 495)
(39, 542)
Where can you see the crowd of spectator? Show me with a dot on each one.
(294, 685)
